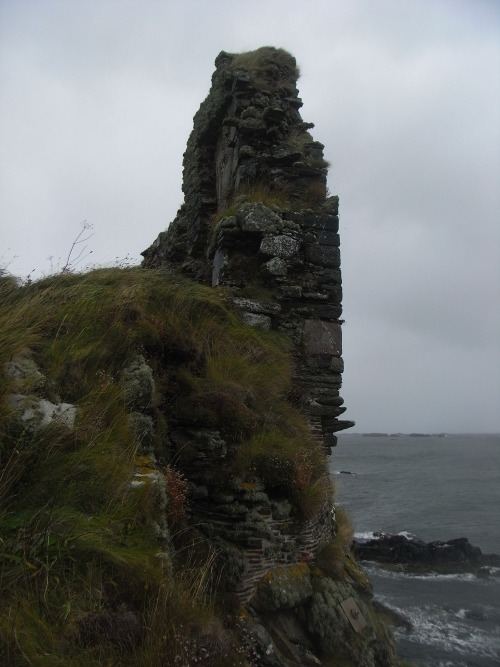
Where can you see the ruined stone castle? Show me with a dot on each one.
(258, 222)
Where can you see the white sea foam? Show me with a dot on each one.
(367, 535)
(371, 535)
(374, 568)
(409, 536)
(447, 631)
(436, 576)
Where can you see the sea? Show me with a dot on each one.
(430, 487)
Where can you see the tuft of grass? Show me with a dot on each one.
(81, 578)
(345, 528)
(269, 68)
(334, 557)
(78, 543)
(182, 622)
(263, 193)
(302, 140)
(291, 465)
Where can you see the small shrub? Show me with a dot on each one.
(344, 527)
(177, 492)
(262, 192)
(290, 467)
(330, 559)
(300, 139)
(333, 557)
(315, 194)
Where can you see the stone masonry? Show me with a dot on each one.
(256, 220)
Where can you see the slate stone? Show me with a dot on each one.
(219, 263)
(321, 222)
(328, 238)
(327, 256)
(322, 337)
(255, 306)
(138, 384)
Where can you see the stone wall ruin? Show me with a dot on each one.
(256, 219)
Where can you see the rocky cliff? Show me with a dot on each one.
(258, 223)
(165, 430)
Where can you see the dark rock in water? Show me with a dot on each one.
(457, 555)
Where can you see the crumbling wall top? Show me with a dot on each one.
(247, 132)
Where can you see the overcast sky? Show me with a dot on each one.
(97, 99)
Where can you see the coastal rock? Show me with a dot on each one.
(327, 620)
(457, 555)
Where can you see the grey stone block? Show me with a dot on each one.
(275, 267)
(283, 246)
(323, 337)
(322, 255)
(258, 218)
(256, 320)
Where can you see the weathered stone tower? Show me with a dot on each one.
(256, 218)
(257, 223)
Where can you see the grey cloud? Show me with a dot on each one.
(97, 100)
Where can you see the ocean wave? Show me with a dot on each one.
(374, 568)
(477, 613)
(409, 536)
(493, 572)
(445, 630)
(377, 535)
(367, 535)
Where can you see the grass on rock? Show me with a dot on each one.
(89, 573)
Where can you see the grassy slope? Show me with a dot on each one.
(79, 573)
